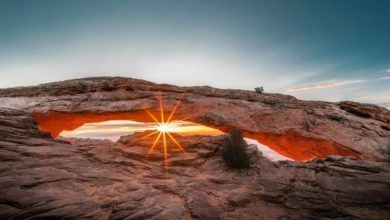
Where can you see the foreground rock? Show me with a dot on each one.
(301, 130)
(75, 178)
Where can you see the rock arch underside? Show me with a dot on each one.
(353, 184)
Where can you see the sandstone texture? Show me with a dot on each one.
(341, 171)
(45, 178)
(301, 130)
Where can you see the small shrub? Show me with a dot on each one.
(233, 150)
(259, 89)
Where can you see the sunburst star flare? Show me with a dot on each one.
(163, 129)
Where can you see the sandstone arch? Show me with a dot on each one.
(298, 129)
(289, 144)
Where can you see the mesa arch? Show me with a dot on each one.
(289, 144)
(297, 129)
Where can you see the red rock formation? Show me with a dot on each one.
(289, 144)
(44, 178)
(294, 128)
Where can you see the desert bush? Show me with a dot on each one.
(233, 150)
(259, 89)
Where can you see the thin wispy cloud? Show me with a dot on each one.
(386, 77)
(379, 97)
(192, 49)
(322, 85)
(382, 96)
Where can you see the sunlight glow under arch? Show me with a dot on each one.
(161, 129)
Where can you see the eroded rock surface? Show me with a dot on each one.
(301, 130)
(96, 179)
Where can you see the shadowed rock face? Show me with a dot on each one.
(301, 130)
(95, 179)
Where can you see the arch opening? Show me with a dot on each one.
(286, 144)
(112, 126)
(114, 129)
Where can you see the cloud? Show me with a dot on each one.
(375, 98)
(322, 85)
(383, 96)
(386, 77)
(387, 70)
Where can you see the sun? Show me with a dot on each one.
(163, 129)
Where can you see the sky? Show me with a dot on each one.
(315, 50)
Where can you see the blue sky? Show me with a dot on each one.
(318, 50)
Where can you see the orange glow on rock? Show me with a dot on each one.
(287, 143)
(297, 147)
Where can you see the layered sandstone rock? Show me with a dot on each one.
(42, 178)
(301, 130)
